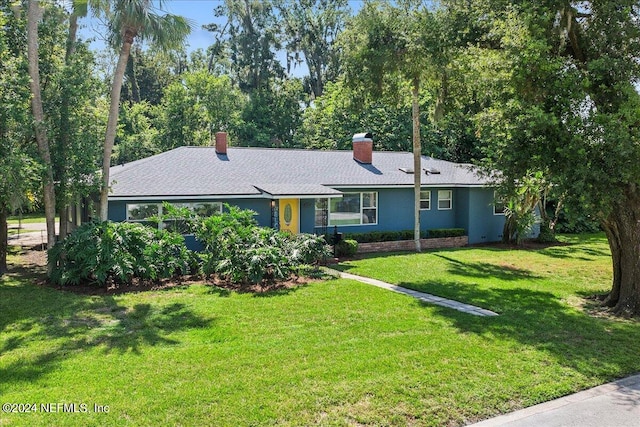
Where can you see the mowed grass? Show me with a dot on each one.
(28, 219)
(336, 352)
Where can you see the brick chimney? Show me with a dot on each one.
(221, 142)
(363, 148)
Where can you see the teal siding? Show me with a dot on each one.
(484, 225)
(472, 209)
(118, 208)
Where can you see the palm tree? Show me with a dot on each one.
(129, 19)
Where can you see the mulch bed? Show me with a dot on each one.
(34, 261)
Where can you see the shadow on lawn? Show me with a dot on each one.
(543, 321)
(485, 269)
(57, 324)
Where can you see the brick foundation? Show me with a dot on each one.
(409, 245)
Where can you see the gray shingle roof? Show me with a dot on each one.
(199, 171)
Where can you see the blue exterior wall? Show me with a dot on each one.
(484, 225)
(118, 208)
(471, 209)
(118, 212)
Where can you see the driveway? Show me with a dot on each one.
(30, 234)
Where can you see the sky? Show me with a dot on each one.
(199, 12)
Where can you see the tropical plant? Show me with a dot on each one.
(100, 252)
(237, 249)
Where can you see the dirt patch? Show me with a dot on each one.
(138, 285)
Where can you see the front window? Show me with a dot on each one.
(425, 200)
(351, 209)
(444, 199)
(498, 205)
(322, 212)
(143, 212)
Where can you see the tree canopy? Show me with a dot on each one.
(544, 92)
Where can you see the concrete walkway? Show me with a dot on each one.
(31, 234)
(616, 404)
(432, 299)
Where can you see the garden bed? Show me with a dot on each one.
(409, 245)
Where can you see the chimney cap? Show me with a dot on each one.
(365, 136)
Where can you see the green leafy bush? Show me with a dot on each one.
(237, 249)
(445, 232)
(346, 248)
(390, 236)
(101, 251)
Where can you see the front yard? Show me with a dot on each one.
(335, 352)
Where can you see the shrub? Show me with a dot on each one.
(346, 248)
(98, 252)
(446, 232)
(237, 249)
(389, 236)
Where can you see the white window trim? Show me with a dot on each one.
(144, 219)
(450, 199)
(362, 209)
(160, 210)
(425, 200)
(495, 199)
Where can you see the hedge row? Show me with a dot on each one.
(389, 236)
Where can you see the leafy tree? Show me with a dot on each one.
(559, 98)
(73, 100)
(196, 107)
(18, 169)
(148, 73)
(271, 116)
(311, 27)
(129, 19)
(389, 41)
(137, 136)
(249, 40)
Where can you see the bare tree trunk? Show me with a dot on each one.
(623, 232)
(112, 123)
(417, 160)
(33, 17)
(63, 145)
(4, 234)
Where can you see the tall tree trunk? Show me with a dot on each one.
(33, 17)
(417, 160)
(4, 234)
(112, 123)
(63, 142)
(623, 232)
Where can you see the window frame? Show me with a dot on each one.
(371, 207)
(163, 224)
(442, 199)
(496, 202)
(427, 200)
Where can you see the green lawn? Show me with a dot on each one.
(28, 219)
(329, 353)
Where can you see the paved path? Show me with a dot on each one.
(31, 234)
(432, 299)
(616, 404)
